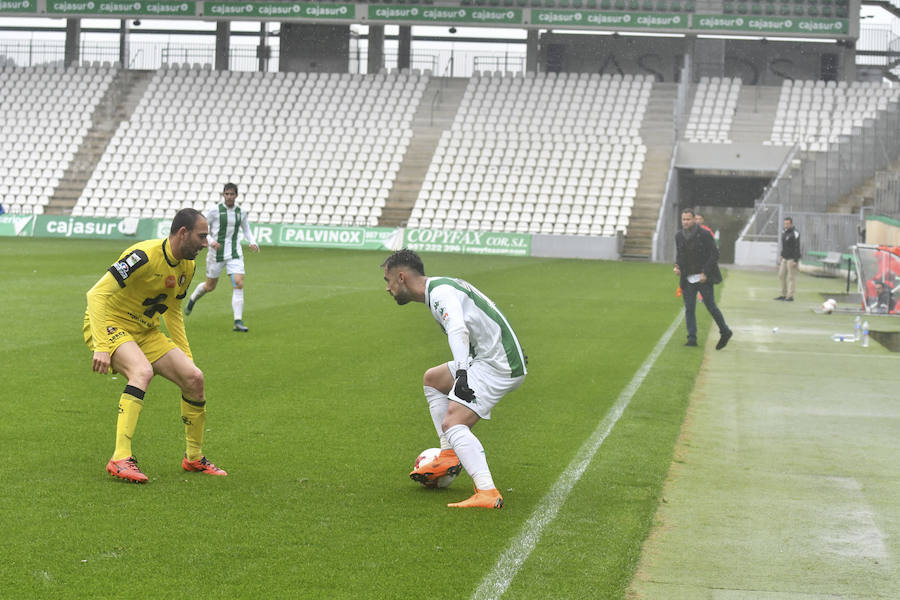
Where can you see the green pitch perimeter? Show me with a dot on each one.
(786, 478)
(317, 414)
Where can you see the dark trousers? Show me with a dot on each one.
(689, 294)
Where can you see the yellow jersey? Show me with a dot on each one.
(146, 283)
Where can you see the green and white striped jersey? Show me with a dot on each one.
(224, 224)
(474, 326)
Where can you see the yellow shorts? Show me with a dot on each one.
(152, 342)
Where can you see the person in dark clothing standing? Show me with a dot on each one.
(697, 262)
(790, 260)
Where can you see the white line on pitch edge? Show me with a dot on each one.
(497, 581)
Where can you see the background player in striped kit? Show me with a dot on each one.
(225, 220)
(488, 362)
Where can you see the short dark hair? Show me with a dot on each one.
(230, 186)
(406, 258)
(187, 218)
(689, 210)
(789, 219)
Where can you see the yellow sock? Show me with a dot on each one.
(130, 404)
(193, 414)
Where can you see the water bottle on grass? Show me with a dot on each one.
(843, 337)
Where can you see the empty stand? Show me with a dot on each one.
(550, 153)
(815, 113)
(46, 113)
(307, 148)
(713, 110)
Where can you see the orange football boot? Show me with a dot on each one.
(481, 499)
(445, 464)
(202, 465)
(127, 469)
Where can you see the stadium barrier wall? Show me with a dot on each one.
(758, 254)
(571, 246)
(739, 157)
(310, 236)
(663, 58)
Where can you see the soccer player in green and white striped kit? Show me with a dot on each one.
(225, 253)
(488, 362)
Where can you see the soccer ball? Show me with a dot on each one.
(829, 305)
(427, 456)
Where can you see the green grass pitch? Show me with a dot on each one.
(318, 414)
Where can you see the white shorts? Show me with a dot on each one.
(232, 266)
(489, 386)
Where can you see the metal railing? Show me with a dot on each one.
(508, 63)
(667, 223)
(422, 61)
(819, 180)
(759, 227)
(819, 232)
(662, 247)
(808, 183)
(141, 55)
(826, 232)
(887, 194)
(243, 57)
(764, 225)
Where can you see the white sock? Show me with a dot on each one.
(237, 303)
(471, 454)
(198, 291)
(437, 405)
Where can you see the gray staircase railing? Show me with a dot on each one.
(887, 194)
(663, 244)
(818, 180)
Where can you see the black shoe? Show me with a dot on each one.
(723, 341)
(691, 343)
(239, 326)
(189, 307)
(780, 298)
(789, 299)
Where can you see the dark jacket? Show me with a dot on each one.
(790, 244)
(697, 254)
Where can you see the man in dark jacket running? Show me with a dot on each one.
(697, 262)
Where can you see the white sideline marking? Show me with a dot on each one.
(497, 581)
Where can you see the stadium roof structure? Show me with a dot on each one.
(828, 19)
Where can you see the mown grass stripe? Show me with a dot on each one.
(495, 584)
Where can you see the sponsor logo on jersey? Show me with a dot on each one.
(440, 309)
(181, 280)
(115, 334)
(127, 265)
(122, 268)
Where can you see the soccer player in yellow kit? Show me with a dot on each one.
(121, 326)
